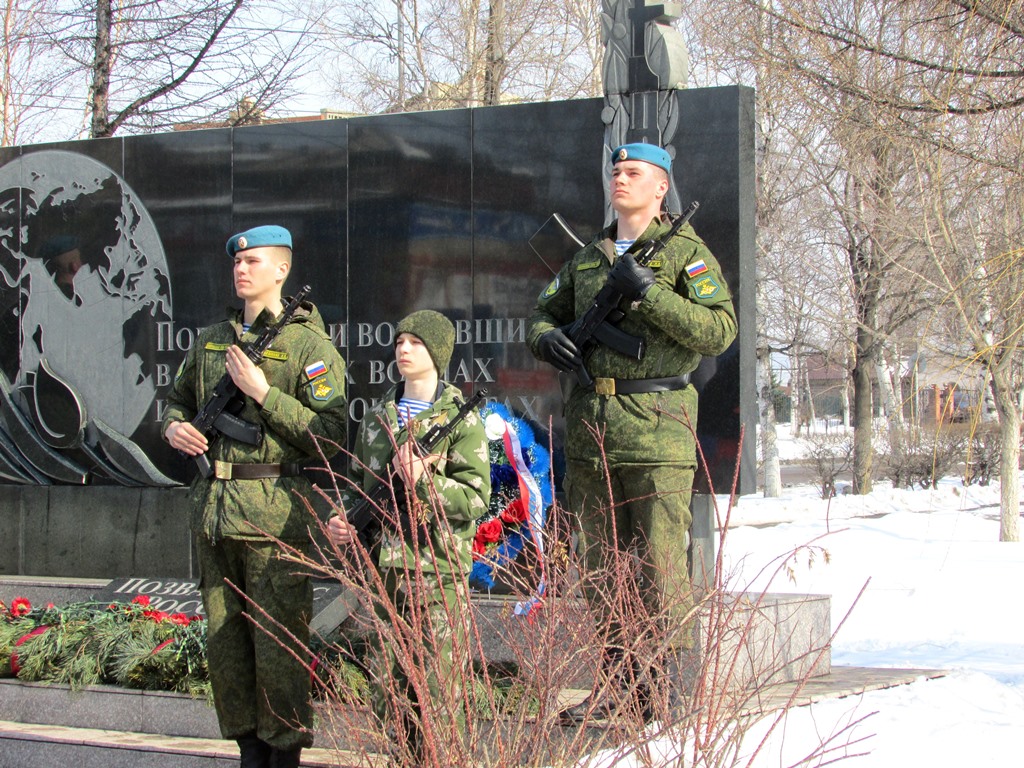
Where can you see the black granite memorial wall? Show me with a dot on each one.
(112, 255)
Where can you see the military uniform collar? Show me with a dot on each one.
(400, 390)
(607, 243)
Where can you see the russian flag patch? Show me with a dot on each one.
(315, 369)
(697, 268)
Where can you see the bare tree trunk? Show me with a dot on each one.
(769, 446)
(1009, 461)
(847, 420)
(796, 409)
(863, 415)
(494, 70)
(887, 390)
(99, 90)
(473, 60)
(808, 397)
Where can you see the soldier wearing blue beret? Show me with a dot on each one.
(632, 431)
(296, 396)
(267, 236)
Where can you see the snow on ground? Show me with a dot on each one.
(940, 591)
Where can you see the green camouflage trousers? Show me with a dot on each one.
(646, 531)
(257, 684)
(428, 657)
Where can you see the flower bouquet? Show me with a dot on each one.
(520, 496)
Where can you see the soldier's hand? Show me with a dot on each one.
(558, 349)
(186, 438)
(247, 377)
(630, 279)
(340, 531)
(408, 463)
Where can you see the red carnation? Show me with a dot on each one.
(490, 532)
(180, 619)
(142, 600)
(515, 513)
(20, 606)
(487, 533)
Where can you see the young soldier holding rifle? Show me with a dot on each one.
(629, 406)
(429, 451)
(250, 403)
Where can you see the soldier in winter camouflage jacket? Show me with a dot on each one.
(443, 494)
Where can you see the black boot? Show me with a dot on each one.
(286, 758)
(680, 670)
(255, 753)
(622, 694)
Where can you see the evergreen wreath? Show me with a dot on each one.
(88, 643)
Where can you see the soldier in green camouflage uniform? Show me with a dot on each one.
(681, 306)
(297, 396)
(425, 579)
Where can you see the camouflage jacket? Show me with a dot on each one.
(459, 485)
(687, 313)
(306, 402)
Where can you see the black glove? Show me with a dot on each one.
(557, 348)
(630, 279)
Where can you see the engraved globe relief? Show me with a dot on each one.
(83, 284)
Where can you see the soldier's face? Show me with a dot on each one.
(259, 273)
(412, 357)
(637, 186)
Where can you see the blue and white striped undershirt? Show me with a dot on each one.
(408, 409)
(621, 246)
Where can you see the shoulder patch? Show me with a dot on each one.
(551, 290)
(321, 390)
(706, 288)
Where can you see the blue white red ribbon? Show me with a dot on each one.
(529, 491)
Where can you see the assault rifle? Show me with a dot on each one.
(597, 323)
(365, 511)
(218, 414)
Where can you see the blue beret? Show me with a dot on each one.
(257, 237)
(647, 153)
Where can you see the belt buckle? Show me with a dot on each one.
(603, 386)
(222, 470)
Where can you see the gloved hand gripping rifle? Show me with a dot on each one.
(366, 511)
(596, 325)
(218, 414)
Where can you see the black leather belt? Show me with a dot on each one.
(225, 470)
(611, 387)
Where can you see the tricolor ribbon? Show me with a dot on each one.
(529, 492)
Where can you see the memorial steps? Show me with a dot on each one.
(36, 745)
(785, 661)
